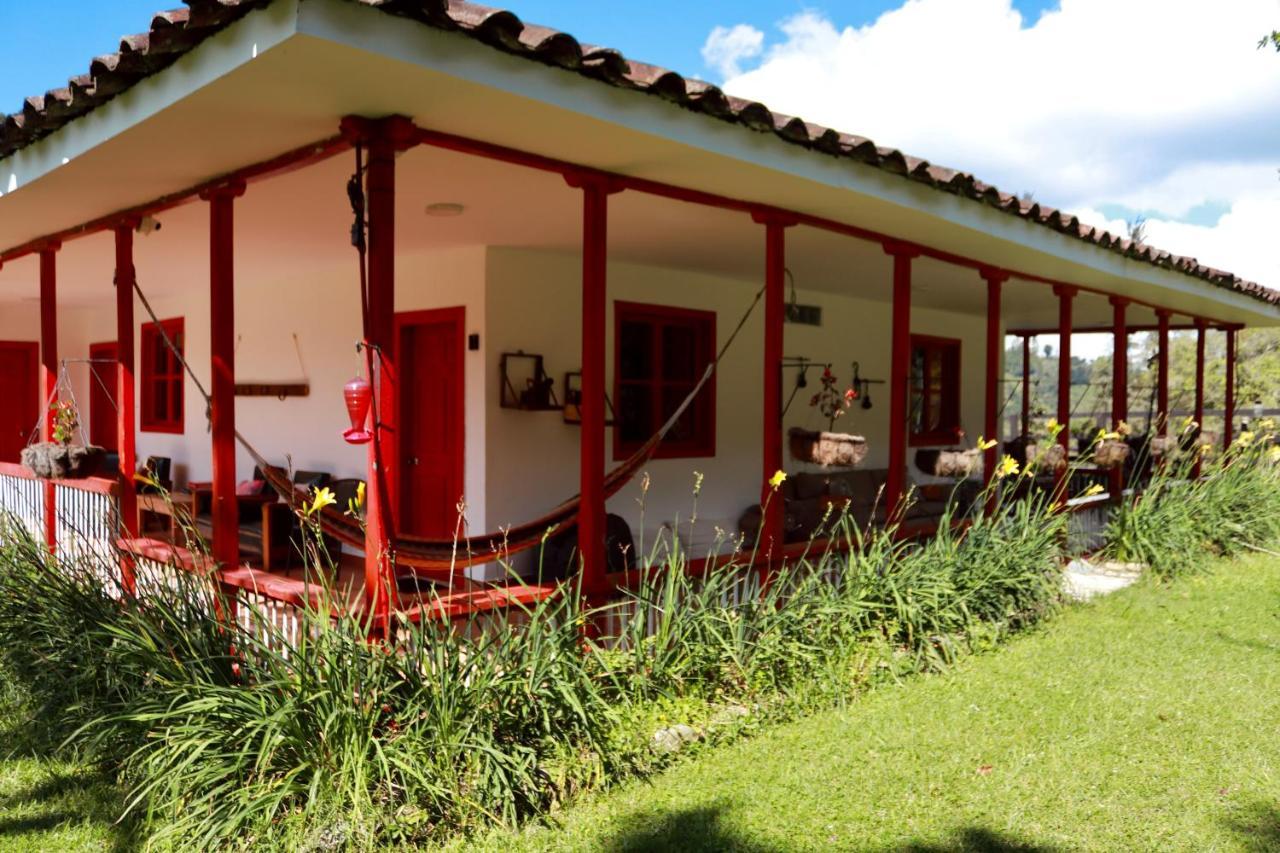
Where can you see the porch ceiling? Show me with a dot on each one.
(281, 77)
(299, 222)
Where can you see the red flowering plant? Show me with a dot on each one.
(65, 420)
(830, 401)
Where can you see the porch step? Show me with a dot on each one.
(1083, 580)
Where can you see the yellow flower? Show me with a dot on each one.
(1008, 466)
(1245, 439)
(1189, 423)
(355, 506)
(1273, 455)
(360, 491)
(1095, 489)
(984, 444)
(778, 478)
(321, 499)
(1053, 426)
(1123, 428)
(1267, 424)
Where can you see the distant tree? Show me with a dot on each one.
(1137, 228)
(1272, 39)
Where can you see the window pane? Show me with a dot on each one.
(917, 367)
(933, 417)
(679, 352)
(160, 401)
(635, 413)
(916, 408)
(175, 398)
(684, 429)
(159, 355)
(635, 358)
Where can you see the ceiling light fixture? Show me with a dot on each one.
(445, 208)
(147, 225)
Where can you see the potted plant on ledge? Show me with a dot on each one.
(60, 459)
(829, 448)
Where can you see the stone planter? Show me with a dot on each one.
(51, 461)
(1110, 454)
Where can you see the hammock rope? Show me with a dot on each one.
(424, 555)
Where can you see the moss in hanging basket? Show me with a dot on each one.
(50, 460)
(1110, 453)
(827, 448)
(60, 459)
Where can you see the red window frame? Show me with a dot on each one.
(702, 411)
(162, 404)
(934, 372)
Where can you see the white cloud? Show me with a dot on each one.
(1163, 106)
(727, 47)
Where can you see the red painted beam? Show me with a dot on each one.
(1119, 382)
(126, 437)
(466, 145)
(383, 139)
(1162, 373)
(1201, 333)
(899, 363)
(1065, 297)
(772, 532)
(281, 164)
(995, 367)
(49, 373)
(1229, 395)
(222, 387)
(1026, 385)
(591, 454)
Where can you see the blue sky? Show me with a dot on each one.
(1109, 109)
(664, 32)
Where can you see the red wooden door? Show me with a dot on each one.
(430, 360)
(102, 392)
(19, 395)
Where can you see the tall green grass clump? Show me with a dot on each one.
(225, 736)
(1176, 522)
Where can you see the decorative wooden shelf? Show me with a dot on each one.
(573, 400)
(525, 385)
(280, 390)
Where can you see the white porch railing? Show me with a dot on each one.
(22, 499)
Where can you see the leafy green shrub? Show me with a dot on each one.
(339, 742)
(1175, 522)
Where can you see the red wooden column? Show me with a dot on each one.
(596, 190)
(382, 138)
(1119, 381)
(900, 358)
(995, 367)
(1065, 295)
(1201, 332)
(49, 373)
(1229, 395)
(222, 356)
(1162, 371)
(126, 439)
(1026, 385)
(772, 534)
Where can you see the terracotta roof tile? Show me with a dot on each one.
(175, 32)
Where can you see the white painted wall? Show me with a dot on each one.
(535, 300)
(518, 464)
(323, 311)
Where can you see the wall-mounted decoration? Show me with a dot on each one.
(803, 315)
(279, 390)
(573, 400)
(525, 384)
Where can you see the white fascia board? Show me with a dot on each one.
(456, 55)
(240, 43)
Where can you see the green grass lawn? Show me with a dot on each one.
(1147, 721)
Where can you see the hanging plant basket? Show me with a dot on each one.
(1164, 447)
(1052, 458)
(959, 464)
(827, 448)
(1110, 454)
(49, 460)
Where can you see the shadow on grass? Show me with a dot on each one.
(687, 830)
(1257, 827)
(974, 839)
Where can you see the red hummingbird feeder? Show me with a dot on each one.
(358, 394)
